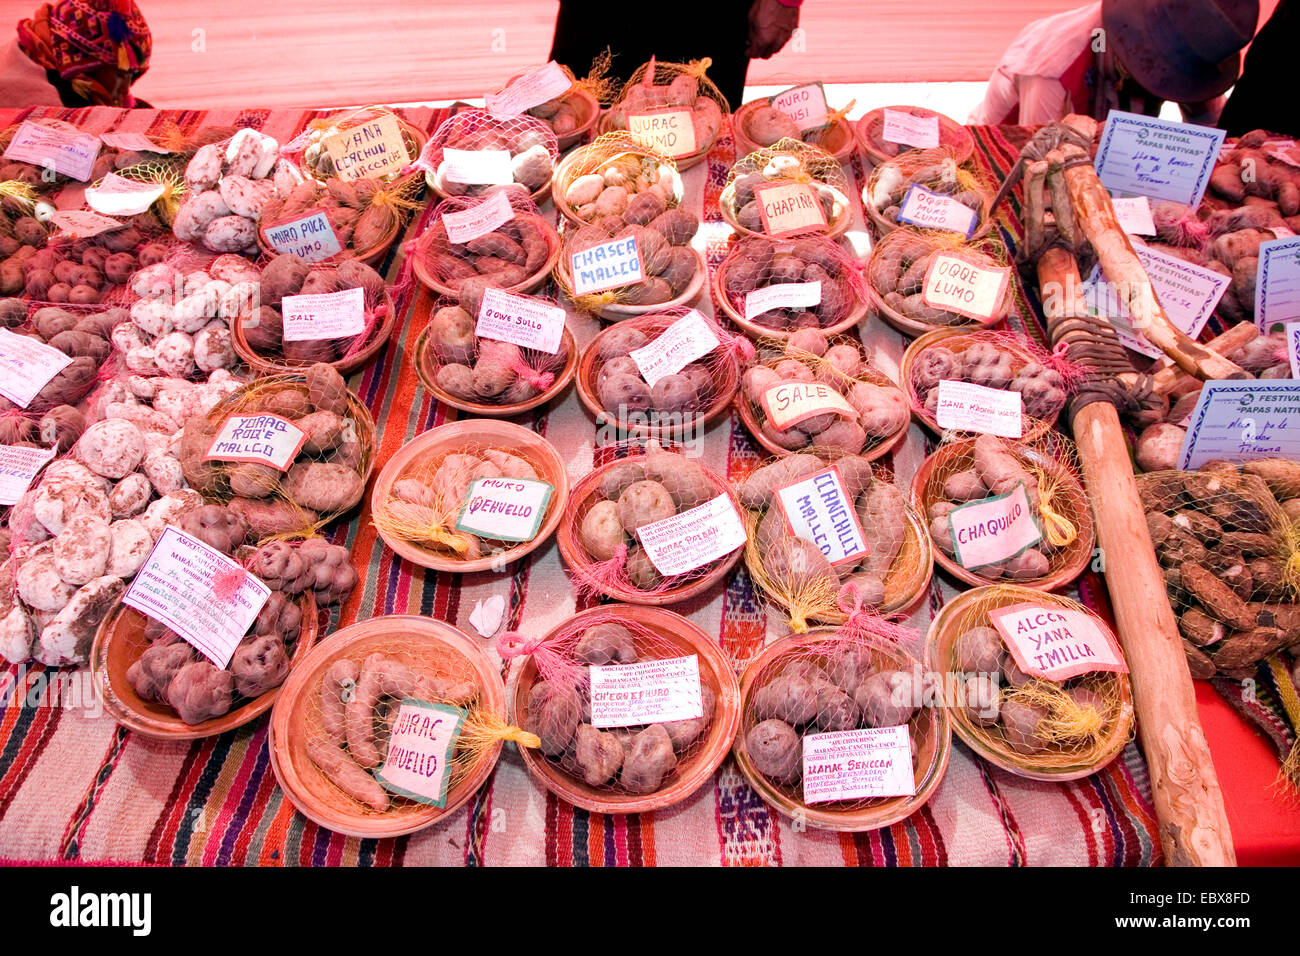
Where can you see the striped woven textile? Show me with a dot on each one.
(75, 787)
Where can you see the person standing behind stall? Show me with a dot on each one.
(1131, 55)
(729, 32)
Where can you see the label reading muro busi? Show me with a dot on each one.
(968, 407)
(787, 209)
(668, 132)
(692, 539)
(1057, 642)
(310, 238)
(369, 150)
(68, 152)
(818, 510)
(805, 104)
(790, 403)
(329, 315)
(783, 295)
(19, 464)
(956, 284)
(177, 585)
(993, 530)
(259, 439)
(931, 210)
(858, 765)
(528, 323)
(26, 366)
(504, 509)
(420, 750)
(647, 692)
(689, 338)
(606, 266)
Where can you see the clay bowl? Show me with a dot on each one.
(837, 140)
(1063, 566)
(576, 164)
(614, 311)
(952, 135)
(585, 494)
(272, 365)
(699, 762)
(458, 437)
(412, 136)
(427, 365)
(958, 340)
(988, 742)
(424, 640)
(370, 255)
(722, 300)
(930, 730)
(682, 162)
(119, 641)
(588, 368)
(430, 281)
(838, 225)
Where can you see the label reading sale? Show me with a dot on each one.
(478, 167)
(806, 105)
(1293, 347)
(607, 266)
(478, 220)
(929, 210)
(693, 538)
(368, 150)
(137, 142)
(858, 764)
(82, 224)
(331, 315)
(528, 323)
(789, 208)
(902, 127)
(1277, 282)
(993, 530)
(1145, 156)
(1134, 215)
(504, 509)
(26, 366)
(118, 196)
(178, 585)
(260, 439)
(689, 338)
(1057, 642)
(818, 510)
(19, 464)
(66, 151)
(968, 407)
(783, 295)
(792, 402)
(668, 132)
(1243, 421)
(420, 749)
(532, 89)
(311, 238)
(956, 284)
(648, 692)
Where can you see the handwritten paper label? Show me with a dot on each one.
(260, 439)
(528, 323)
(668, 132)
(331, 315)
(1057, 642)
(694, 537)
(790, 403)
(311, 238)
(783, 295)
(532, 89)
(968, 407)
(478, 220)
(136, 142)
(1187, 293)
(1293, 347)
(19, 464)
(369, 150)
(1243, 421)
(910, 130)
(118, 196)
(993, 530)
(930, 210)
(818, 510)
(789, 208)
(806, 105)
(647, 692)
(420, 750)
(81, 224)
(1134, 215)
(177, 585)
(607, 266)
(957, 284)
(477, 167)
(1277, 282)
(67, 152)
(858, 765)
(504, 509)
(26, 366)
(1145, 156)
(689, 338)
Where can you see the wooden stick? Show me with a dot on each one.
(1194, 827)
(1035, 227)
(1066, 227)
(1168, 378)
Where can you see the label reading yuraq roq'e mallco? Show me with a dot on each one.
(260, 439)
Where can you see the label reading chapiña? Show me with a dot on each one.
(787, 209)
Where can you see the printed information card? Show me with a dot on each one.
(420, 751)
(694, 538)
(1147, 156)
(858, 765)
(66, 151)
(647, 692)
(1243, 421)
(1277, 283)
(19, 464)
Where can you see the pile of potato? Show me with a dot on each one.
(636, 759)
(896, 271)
(767, 125)
(227, 187)
(681, 91)
(668, 262)
(508, 257)
(982, 362)
(618, 184)
(530, 142)
(784, 164)
(933, 169)
(621, 389)
(358, 222)
(755, 264)
(80, 272)
(80, 334)
(880, 411)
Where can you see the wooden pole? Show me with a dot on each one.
(1168, 378)
(1189, 804)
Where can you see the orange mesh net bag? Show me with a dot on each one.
(613, 173)
(673, 109)
(776, 288)
(475, 149)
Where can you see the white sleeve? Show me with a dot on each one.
(1042, 100)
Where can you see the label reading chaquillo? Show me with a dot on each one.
(993, 530)
(789, 208)
(1057, 642)
(609, 265)
(369, 150)
(26, 366)
(818, 510)
(692, 539)
(783, 295)
(119, 196)
(420, 750)
(968, 407)
(858, 765)
(311, 238)
(647, 692)
(689, 338)
(790, 403)
(668, 132)
(258, 439)
(504, 509)
(528, 323)
(330, 315)
(137, 142)
(957, 284)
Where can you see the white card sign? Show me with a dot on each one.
(477, 167)
(479, 219)
(1243, 421)
(83, 224)
(1145, 156)
(532, 89)
(783, 295)
(818, 510)
(1134, 215)
(931, 210)
(420, 749)
(520, 320)
(504, 509)
(19, 464)
(693, 538)
(330, 315)
(806, 105)
(606, 266)
(67, 152)
(921, 132)
(689, 338)
(26, 366)
(263, 439)
(1057, 642)
(858, 765)
(647, 692)
(119, 196)
(993, 530)
(968, 407)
